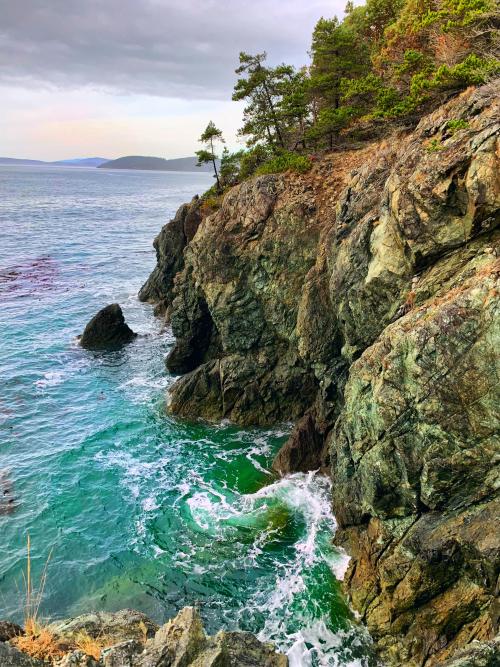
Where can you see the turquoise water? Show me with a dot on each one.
(138, 509)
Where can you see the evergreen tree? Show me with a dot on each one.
(338, 51)
(207, 154)
(263, 88)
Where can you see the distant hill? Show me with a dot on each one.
(82, 162)
(129, 162)
(14, 161)
(155, 164)
(76, 162)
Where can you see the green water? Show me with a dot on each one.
(139, 510)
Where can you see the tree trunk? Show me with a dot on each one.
(215, 166)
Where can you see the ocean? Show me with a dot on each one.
(128, 506)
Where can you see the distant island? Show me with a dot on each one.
(155, 164)
(76, 162)
(130, 162)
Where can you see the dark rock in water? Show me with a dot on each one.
(11, 657)
(7, 498)
(9, 630)
(304, 450)
(107, 330)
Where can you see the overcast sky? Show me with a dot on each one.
(121, 77)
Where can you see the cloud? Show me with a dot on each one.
(178, 49)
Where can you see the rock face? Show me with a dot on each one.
(169, 246)
(361, 299)
(107, 330)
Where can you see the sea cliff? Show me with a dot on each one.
(360, 300)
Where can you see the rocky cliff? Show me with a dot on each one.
(361, 301)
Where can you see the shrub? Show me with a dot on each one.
(286, 161)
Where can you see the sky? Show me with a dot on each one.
(86, 78)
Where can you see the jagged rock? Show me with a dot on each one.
(477, 654)
(182, 642)
(11, 657)
(176, 643)
(119, 626)
(169, 246)
(241, 649)
(128, 653)
(8, 630)
(138, 642)
(304, 450)
(107, 330)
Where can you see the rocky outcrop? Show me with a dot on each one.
(126, 623)
(361, 299)
(129, 639)
(107, 330)
(169, 246)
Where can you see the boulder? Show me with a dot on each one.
(107, 330)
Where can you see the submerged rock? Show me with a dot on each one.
(107, 330)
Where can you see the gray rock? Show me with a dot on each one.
(11, 657)
(119, 626)
(107, 330)
(125, 654)
(78, 659)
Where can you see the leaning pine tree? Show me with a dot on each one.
(207, 154)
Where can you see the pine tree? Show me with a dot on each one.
(263, 88)
(207, 154)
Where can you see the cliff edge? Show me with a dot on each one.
(361, 301)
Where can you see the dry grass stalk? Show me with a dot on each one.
(38, 641)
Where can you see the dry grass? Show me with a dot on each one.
(38, 640)
(91, 645)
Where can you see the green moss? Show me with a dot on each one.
(455, 125)
(434, 145)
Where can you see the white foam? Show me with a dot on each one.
(50, 379)
(317, 645)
